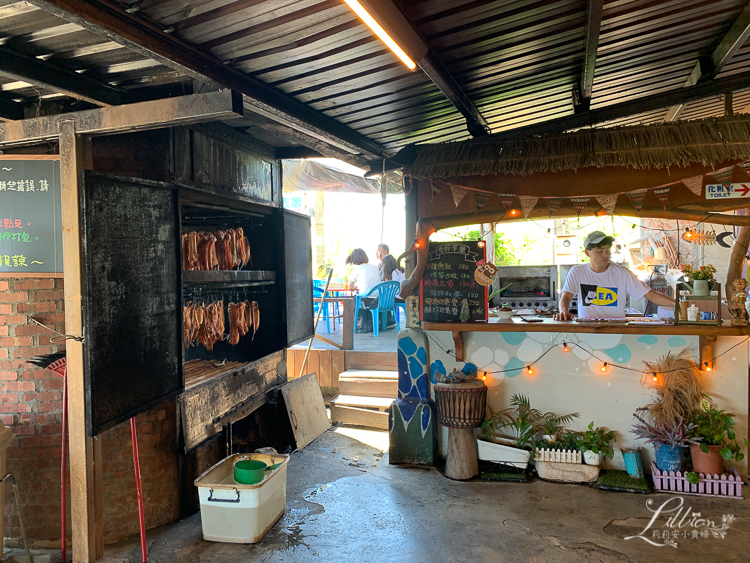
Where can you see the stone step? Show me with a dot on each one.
(359, 417)
(366, 383)
(373, 403)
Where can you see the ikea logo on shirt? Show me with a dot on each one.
(601, 296)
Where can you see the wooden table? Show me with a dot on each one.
(347, 313)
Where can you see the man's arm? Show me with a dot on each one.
(660, 299)
(564, 315)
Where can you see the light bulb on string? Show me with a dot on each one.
(484, 376)
(513, 212)
(655, 378)
(480, 244)
(708, 368)
(604, 366)
(531, 372)
(565, 347)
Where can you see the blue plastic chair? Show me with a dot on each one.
(318, 292)
(400, 305)
(386, 294)
(335, 306)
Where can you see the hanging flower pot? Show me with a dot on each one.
(669, 458)
(708, 464)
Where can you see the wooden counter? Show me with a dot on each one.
(548, 325)
(708, 333)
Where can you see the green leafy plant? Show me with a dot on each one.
(598, 440)
(692, 477)
(498, 291)
(716, 428)
(527, 425)
(504, 255)
(703, 273)
(569, 442)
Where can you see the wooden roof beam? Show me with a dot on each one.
(30, 69)
(395, 23)
(582, 96)
(168, 112)
(707, 69)
(108, 19)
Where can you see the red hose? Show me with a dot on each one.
(139, 490)
(64, 469)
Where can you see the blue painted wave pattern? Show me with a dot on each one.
(412, 380)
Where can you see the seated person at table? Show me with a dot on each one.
(601, 285)
(391, 271)
(380, 252)
(364, 275)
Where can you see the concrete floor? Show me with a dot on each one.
(363, 341)
(346, 503)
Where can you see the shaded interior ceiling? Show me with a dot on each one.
(317, 81)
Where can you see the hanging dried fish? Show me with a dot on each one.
(187, 324)
(256, 318)
(234, 333)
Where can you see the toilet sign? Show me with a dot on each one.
(724, 191)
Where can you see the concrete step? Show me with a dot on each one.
(366, 383)
(362, 411)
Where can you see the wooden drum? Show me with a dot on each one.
(460, 407)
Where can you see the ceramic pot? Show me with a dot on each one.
(633, 463)
(669, 458)
(708, 464)
(700, 288)
(590, 458)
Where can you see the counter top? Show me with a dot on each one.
(549, 325)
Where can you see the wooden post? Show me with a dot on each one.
(737, 259)
(86, 520)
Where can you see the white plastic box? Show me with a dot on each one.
(235, 513)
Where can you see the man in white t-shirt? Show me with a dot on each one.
(601, 285)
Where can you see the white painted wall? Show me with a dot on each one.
(566, 382)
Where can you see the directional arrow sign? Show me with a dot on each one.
(719, 191)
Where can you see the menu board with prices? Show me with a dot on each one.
(30, 215)
(449, 280)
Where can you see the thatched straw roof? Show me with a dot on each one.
(705, 142)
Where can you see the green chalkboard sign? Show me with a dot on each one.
(30, 216)
(449, 279)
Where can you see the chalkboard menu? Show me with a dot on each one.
(449, 279)
(30, 217)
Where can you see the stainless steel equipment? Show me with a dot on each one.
(528, 287)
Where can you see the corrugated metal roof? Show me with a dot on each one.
(517, 61)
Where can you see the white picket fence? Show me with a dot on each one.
(560, 456)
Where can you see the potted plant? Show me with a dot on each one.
(714, 439)
(668, 439)
(702, 278)
(524, 427)
(595, 443)
(505, 312)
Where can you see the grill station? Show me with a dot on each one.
(526, 287)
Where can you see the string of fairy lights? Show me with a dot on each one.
(566, 347)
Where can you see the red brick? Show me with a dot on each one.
(18, 386)
(3, 286)
(31, 352)
(59, 283)
(7, 419)
(3, 353)
(3, 331)
(17, 341)
(52, 429)
(30, 330)
(8, 398)
(49, 407)
(47, 295)
(51, 384)
(31, 375)
(49, 318)
(6, 309)
(16, 408)
(23, 430)
(43, 307)
(13, 320)
(8, 376)
(15, 297)
(42, 397)
(44, 283)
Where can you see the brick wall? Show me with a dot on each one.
(32, 406)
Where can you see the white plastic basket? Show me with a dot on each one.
(236, 513)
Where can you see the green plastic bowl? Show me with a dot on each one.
(249, 471)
